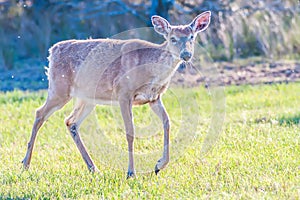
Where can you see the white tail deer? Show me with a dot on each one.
(98, 71)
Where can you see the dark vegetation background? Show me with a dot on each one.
(240, 29)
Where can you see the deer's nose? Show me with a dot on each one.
(186, 56)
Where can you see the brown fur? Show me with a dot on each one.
(105, 71)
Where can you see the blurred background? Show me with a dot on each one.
(252, 38)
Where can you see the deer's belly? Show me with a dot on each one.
(143, 98)
(148, 94)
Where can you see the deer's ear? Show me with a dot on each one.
(161, 25)
(201, 22)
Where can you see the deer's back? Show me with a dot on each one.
(96, 68)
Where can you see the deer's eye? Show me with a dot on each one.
(192, 37)
(173, 40)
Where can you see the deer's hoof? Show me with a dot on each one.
(94, 169)
(130, 175)
(156, 170)
(25, 165)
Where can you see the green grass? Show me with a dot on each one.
(257, 156)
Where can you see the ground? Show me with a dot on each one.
(257, 154)
(253, 73)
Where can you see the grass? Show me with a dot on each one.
(257, 156)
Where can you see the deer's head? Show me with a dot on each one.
(181, 39)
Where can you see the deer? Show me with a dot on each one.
(126, 72)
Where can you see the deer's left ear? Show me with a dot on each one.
(201, 22)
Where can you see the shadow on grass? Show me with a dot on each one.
(282, 121)
(31, 76)
(15, 198)
(290, 120)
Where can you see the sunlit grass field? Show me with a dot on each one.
(256, 156)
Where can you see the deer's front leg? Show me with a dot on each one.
(159, 109)
(126, 110)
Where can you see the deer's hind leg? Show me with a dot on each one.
(52, 104)
(126, 111)
(80, 112)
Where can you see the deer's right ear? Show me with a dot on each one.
(161, 25)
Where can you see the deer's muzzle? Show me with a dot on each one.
(185, 55)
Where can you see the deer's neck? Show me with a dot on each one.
(166, 64)
(167, 54)
(164, 45)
